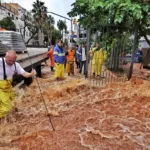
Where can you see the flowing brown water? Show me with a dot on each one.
(115, 117)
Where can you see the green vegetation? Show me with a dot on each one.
(8, 24)
(45, 23)
(121, 15)
(62, 26)
(38, 21)
(115, 21)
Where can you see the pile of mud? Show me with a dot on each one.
(115, 117)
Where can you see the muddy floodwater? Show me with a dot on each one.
(116, 117)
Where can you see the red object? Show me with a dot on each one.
(2, 29)
(51, 56)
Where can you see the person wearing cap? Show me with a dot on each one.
(8, 67)
(70, 54)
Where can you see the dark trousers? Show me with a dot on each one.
(83, 63)
(77, 63)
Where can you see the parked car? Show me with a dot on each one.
(128, 58)
(138, 58)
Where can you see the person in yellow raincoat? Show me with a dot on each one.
(99, 56)
(70, 60)
(8, 67)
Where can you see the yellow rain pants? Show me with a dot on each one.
(59, 72)
(6, 96)
(101, 56)
(70, 67)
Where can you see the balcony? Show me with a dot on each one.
(9, 8)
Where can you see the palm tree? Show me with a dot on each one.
(62, 26)
(55, 35)
(49, 26)
(39, 14)
(65, 27)
(51, 20)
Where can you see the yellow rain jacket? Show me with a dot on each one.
(97, 61)
(6, 96)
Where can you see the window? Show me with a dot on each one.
(8, 13)
(16, 18)
(13, 17)
(26, 33)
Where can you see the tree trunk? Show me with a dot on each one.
(62, 35)
(50, 42)
(29, 39)
(24, 31)
(40, 37)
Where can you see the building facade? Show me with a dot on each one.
(16, 12)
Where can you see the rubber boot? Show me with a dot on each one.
(52, 69)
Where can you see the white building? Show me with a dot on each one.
(66, 36)
(143, 43)
(16, 12)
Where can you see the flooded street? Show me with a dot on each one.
(115, 117)
(75, 75)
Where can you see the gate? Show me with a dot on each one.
(113, 61)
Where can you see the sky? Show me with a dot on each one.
(61, 7)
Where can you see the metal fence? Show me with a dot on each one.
(115, 66)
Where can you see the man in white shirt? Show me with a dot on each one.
(8, 67)
(82, 58)
(83, 54)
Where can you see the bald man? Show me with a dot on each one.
(7, 70)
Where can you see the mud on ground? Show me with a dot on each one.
(115, 117)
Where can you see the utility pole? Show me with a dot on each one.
(79, 30)
(71, 32)
(135, 42)
(87, 48)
